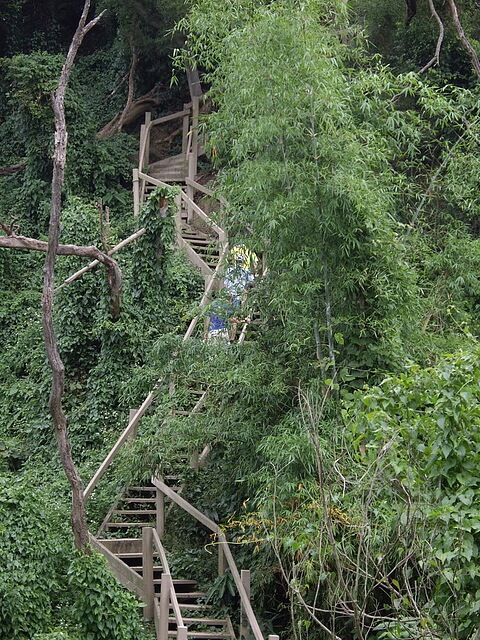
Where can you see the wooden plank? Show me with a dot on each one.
(136, 193)
(164, 605)
(127, 576)
(147, 573)
(117, 446)
(157, 183)
(194, 257)
(172, 116)
(186, 506)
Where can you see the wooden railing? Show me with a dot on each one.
(210, 282)
(225, 557)
(159, 610)
(190, 148)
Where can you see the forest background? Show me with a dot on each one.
(345, 138)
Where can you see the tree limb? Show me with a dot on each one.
(14, 241)
(79, 520)
(441, 32)
(138, 107)
(461, 34)
(13, 168)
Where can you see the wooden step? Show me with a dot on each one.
(204, 635)
(212, 622)
(179, 583)
(191, 595)
(126, 525)
(185, 606)
(143, 512)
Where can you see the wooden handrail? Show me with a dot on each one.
(205, 190)
(201, 214)
(115, 449)
(198, 515)
(147, 178)
(166, 569)
(171, 116)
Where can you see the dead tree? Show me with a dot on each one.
(79, 521)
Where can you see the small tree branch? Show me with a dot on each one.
(32, 244)
(137, 107)
(461, 34)
(94, 263)
(441, 33)
(13, 168)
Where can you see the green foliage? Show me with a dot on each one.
(104, 610)
(31, 558)
(152, 250)
(310, 188)
(424, 428)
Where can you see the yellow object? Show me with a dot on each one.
(246, 258)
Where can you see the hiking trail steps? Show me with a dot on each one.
(132, 532)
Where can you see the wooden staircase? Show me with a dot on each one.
(172, 169)
(143, 507)
(132, 533)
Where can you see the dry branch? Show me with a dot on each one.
(79, 521)
(14, 241)
(93, 264)
(137, 108)
(441, 32)
(461, 34)
(13, 168)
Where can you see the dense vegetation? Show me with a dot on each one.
(344, 136)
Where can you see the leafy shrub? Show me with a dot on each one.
(104, 610)
(29, 560)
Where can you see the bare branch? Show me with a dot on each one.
(138, 107)
(93, 264)
(13, 168)
(441, 33)
(13, 241)
(461, 34)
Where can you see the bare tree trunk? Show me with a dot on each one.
(79, 522)
(130, 113)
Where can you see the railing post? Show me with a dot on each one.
(133, 435)
(273, 637)
(136, 194)
(185, 129)
(192, 172)
(193, 155)
(148, 590)
(181, 632)
(222, 561)
(160, 508)
(164, 606)
(148, 128)
(178, 215)
(244, 626)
